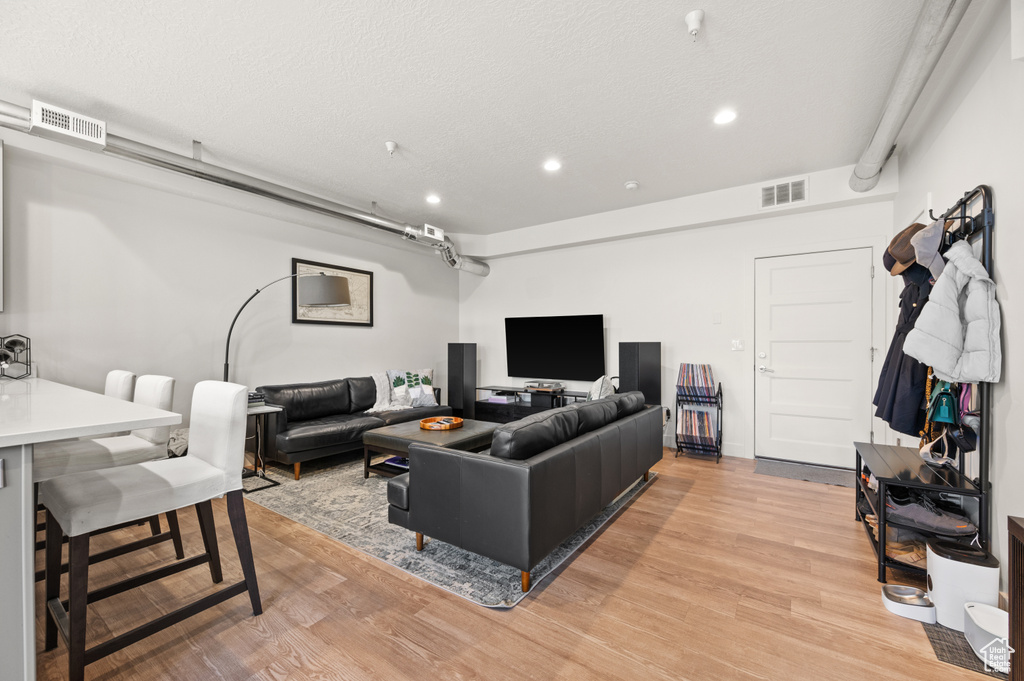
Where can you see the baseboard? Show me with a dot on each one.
(803, 463)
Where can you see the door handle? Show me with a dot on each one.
(765, 370)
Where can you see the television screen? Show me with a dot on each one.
(567, 348)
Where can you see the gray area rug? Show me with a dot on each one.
(333, 498)
(800, 471)
(950, 646)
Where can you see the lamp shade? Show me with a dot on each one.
(324, 291)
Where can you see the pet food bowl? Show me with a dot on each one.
(987, 629)
(908, 601)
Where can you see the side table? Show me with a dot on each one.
(259, 464)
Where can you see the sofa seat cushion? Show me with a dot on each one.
(326, 431)
(405, 415)
(535, 434)
(398, 491)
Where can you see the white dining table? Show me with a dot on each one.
(34, 410)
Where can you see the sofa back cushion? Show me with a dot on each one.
(595, 414)
(362, 393)
(303, 401)
(627, 403)
(536, 433)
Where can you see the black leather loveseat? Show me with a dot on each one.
(321, 419)
(542, 479)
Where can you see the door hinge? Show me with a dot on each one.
(872, 271)
(872, 437)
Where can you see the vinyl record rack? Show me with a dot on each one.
(698, 411)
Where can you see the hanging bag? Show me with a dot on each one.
(943, 407)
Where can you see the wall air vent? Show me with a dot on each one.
(67, 126)
(782, 194)
(431, 232)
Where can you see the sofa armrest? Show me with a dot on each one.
(475, 501)
(276, 422)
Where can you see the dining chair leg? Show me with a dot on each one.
(78, 595)
(154, 525)
(54, 547)
(175, 530)
(205, 512)
(240, 528)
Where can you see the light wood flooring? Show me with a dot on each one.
(712, 573)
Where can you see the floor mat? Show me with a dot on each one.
(801, 471)
(951, 647)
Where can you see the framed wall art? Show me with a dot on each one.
(360, 286)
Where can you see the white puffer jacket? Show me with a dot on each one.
(957, 332)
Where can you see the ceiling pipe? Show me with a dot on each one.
(13, 116)
(934, 27)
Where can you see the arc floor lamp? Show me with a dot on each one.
(317, 290)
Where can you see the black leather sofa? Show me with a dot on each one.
(542, 479)
(321, 419)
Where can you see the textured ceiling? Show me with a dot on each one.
(477, 94)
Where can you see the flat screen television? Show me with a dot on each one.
(558, 348)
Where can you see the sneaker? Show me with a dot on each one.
(920, 512)
(908, 553)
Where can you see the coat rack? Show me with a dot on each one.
(974, 226)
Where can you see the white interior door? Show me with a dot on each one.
(812, 354)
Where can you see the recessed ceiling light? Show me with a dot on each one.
(433, 198)
(551, 165)
(725, 116)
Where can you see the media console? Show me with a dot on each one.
(517, 407)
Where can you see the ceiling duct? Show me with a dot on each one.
(20, 118)
(935, 25)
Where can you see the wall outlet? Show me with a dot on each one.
(737, 345)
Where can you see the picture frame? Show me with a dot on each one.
(360, 286)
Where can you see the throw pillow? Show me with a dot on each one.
(399, 390)
(383, 386)
(602, 387)
(416, 386)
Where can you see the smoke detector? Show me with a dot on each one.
(67, 126)
(693, 21)
(632, 185)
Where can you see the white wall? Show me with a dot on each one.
(977, 137)
(103, 272)
(692, 290)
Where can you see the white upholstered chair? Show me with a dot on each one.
(120, 384)
(65, 457)
(71, 457)
(89, 502)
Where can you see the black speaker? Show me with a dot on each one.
(462, 379)
(640, 369)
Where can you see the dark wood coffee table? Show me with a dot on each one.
(394, 440)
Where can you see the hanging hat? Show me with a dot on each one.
(902, 250)
(926, 247)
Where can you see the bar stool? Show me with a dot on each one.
(120, 384)
(71, 457)
(82, 504)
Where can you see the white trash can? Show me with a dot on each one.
(958, 574)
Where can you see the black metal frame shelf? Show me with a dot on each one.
(903, 466)
(698, 444)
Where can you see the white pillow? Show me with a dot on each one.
(602, 387)
(415, 386)
(383, 386)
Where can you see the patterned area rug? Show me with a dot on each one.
(799, 471)
(333, 498)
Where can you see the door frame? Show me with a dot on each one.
(883, 320)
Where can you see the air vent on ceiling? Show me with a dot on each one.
(432, 232)
(782, 194)
(67, 126)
